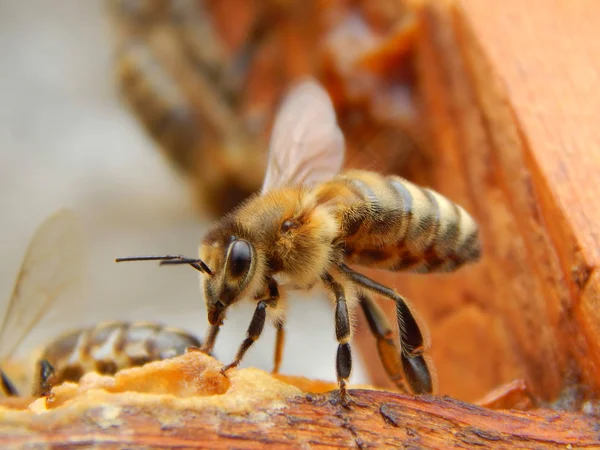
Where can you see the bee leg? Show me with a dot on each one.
(256, 324)
(412, 343)
(7, 385)
(254, 330)
(342, 333)
(279, 341)
(386, 344)
(45, 380)
(209, 341)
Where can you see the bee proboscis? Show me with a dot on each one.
(310, 223)
(52, 265)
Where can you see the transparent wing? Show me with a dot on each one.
(52, 266)
(307, 145)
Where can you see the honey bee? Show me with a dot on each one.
(107, 348)
(310, 223)
(53, 264)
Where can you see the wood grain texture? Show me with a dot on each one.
(186, 402)
(549, 66)
(378, 420)
(507, 92)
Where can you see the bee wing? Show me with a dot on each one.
(53, 263)
(307, 145)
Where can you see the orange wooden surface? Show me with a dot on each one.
(185, 402)
(507, 91)
(547, 56)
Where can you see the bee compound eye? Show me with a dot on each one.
(240, 257)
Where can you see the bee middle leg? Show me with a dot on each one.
(342, 333)
(256, 324)
(279, 341)
(412, 343)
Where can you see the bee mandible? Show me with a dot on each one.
(310, 223)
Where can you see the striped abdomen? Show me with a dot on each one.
(390, 223)
(110, 347)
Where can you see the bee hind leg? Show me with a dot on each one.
(412, 344)
(209, 341)
(342, 332)
(386, 343)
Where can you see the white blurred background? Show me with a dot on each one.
(66, 141)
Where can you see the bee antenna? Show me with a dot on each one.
(196, 263)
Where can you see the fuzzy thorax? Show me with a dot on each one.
(305, 250)
(291, 236)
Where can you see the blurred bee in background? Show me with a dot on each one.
(204, 79)
(310, 222)
(176, 77)
(53, 265)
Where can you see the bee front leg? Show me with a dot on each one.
(342, 333)
(256, 324)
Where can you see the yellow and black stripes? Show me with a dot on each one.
(393, 224)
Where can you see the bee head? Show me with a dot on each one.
(235, 264)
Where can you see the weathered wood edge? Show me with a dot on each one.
(559, 259)
(378, 419)
(536, 282)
